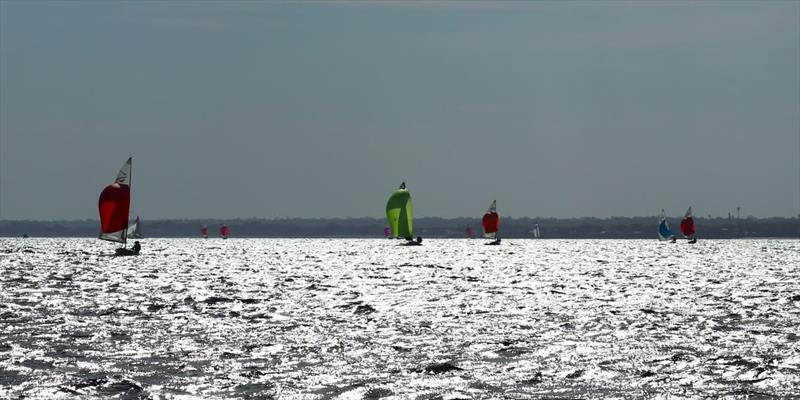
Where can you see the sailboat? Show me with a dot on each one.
(664, 233)
(400, 215)
(135, 230)
(224, 231)
(491, 223)
(204, 232)
(114, 205)
(387, 232)
(470, 234)
(535, 231)
(687, 226)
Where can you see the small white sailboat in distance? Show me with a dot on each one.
(135, 230)
(535, 231)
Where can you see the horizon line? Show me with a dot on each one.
(656, 216)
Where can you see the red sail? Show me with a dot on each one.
(491, 222)
(204, 231)
(114, 203)
(687, 226)
(224, 231)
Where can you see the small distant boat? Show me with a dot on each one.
(387, 232)
(400, 215)
(135, 230)
(664, 233)
(470, 234)
(224, 231)
(535, 231)
(114, 205)
(204, 232)
(687, 226)
(491, 223)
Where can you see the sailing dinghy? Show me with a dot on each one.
(114, 205)
(400, 215)
(491, 224)
(664, 233)
(135, 230)
(224, 231)
(687, 226)
(204, 232)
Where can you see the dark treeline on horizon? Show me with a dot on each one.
(550, 228)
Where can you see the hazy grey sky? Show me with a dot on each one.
(267, 109)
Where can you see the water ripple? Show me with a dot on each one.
(367, 319)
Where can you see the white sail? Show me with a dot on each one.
(135, 230)
(124, 175)
(117, 236)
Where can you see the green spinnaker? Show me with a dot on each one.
(400, 213)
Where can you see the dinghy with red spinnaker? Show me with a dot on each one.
(114, 206)
(491, 224)
(687, 226)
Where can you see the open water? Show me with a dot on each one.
(367, 319)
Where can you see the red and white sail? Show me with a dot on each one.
(491, 221)
(687, 224)
(204, 232)
(114, 205)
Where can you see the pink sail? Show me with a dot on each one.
(224, 231)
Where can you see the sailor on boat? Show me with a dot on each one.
(494, 242)
(133, 251)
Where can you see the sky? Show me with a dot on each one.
(321, 109)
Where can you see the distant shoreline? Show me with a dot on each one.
(550, 228)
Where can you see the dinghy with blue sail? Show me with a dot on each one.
(664, 233)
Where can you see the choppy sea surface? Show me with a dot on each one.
(368, 319)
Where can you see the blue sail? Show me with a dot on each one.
(663, 229)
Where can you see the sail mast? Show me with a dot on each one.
(130, 186)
